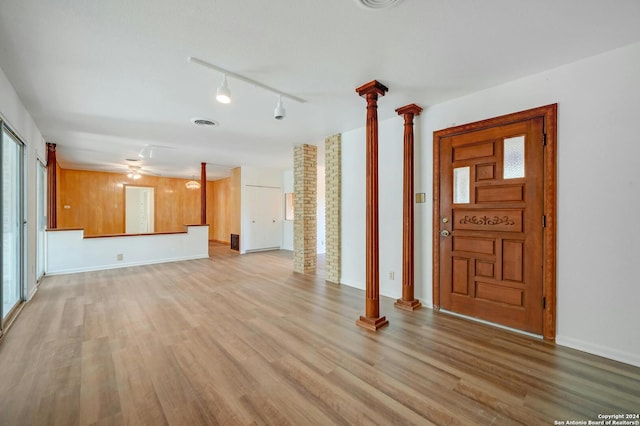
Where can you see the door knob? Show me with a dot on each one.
(445, 233)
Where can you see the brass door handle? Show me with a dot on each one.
(445, 233)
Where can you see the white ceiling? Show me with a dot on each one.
(104, 78)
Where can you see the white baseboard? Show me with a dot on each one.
(123, 265)
(33, 292)
(600, 350)
(354, 284)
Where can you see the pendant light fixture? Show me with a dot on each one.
(192, 184)
(223, 94)
(279, 113)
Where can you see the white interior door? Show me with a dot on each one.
(139, 202)
(263, 210)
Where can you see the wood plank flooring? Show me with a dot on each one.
(244, 340)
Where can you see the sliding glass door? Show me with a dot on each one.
(12, 222)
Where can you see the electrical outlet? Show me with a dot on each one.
(392, 275)
(119, 256)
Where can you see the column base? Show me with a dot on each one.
(372, 324)
(408, 305)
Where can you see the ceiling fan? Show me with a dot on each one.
(136, 172)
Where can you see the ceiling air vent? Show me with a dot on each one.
(376, 4)
(204, 122)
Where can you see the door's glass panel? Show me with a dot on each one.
(11, 223)
(514, 157)
(461, 184)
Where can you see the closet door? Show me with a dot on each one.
(263, 212)
(272, 199)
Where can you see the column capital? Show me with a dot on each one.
(372, 87)
(409, 109)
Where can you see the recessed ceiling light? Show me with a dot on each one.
(132, 159)
(376, 4)
(204, 122)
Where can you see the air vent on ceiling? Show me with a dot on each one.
(377, 4)
(133, 160)
(204, 122)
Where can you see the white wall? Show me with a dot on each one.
(320, 212)
(598, 194)
(390, 137)
(287, 226)
(353, 210)
(99, 253)
(20, 121)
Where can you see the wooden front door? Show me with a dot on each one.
(490, 221)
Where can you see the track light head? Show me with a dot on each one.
(223, 94)
(279, 113)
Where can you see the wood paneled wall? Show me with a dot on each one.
(219, 210)
(95, 202)
(235, 200)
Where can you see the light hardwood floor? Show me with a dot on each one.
(243, 340)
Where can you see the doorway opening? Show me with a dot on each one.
(139, 209)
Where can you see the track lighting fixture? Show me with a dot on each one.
(146, 152)
(279, 113)
(223, 94)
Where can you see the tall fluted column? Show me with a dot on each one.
(408, 302)
(203, 193)
(52, 192)
(372, 319)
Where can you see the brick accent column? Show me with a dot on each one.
(305, 183)
(333, 202)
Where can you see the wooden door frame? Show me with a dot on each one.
(549, 113)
